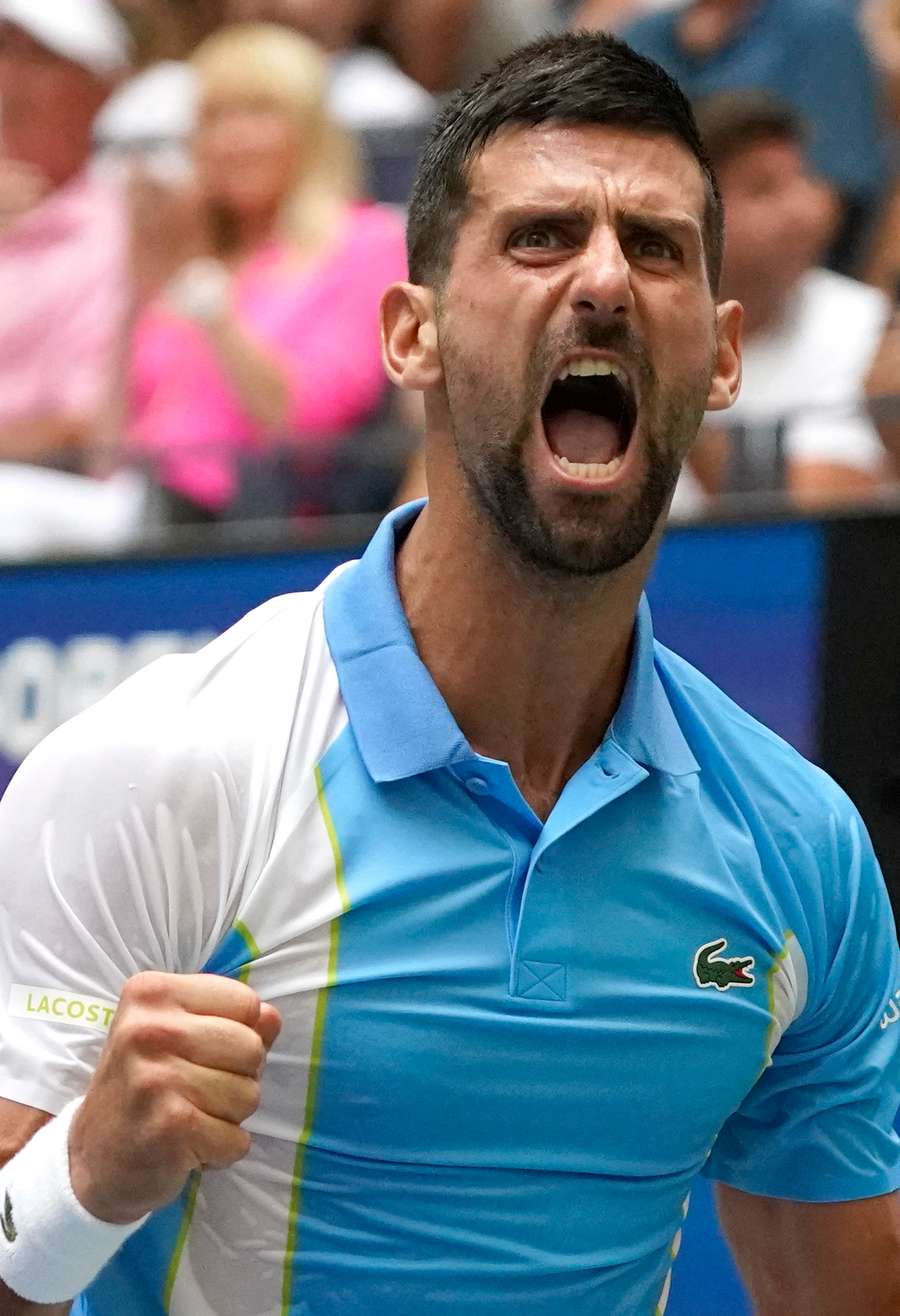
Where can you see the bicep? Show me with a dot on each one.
(815, 1258)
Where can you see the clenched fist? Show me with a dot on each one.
(179, 1074)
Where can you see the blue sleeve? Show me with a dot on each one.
(818, 1125)
(835, 87)
(654, 36)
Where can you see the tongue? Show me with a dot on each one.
(581, 436)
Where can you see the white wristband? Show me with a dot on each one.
(51, 1248)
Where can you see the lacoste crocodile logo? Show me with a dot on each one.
(10, 1233)
(710, 971)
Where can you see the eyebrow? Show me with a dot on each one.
(674, 222)
(677, 223)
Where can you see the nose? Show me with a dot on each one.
(602, 281)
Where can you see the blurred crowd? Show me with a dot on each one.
(201, 202)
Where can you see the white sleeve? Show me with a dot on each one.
(850, 440)
(119, 841)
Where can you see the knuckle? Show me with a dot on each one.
(148, 988)
(247, 1004)
(149, 1034)
(252, 1096)
(256, 1052)
(176, 1118)
(153, 1084)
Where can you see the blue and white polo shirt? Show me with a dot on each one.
(509, 1046)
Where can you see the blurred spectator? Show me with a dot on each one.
(613, 14)
(267, 275)
(881, 24)
(437, 43)
(810, 334)
(154, 111)
(62, 232)
(809, 53)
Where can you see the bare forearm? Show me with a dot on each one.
(815, 484)
(12, 1305)
(260, 381)
(815, 1258)
(41, 438)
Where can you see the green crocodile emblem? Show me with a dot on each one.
(710, 971)
(10, 1233)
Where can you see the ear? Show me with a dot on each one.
(726, 381)
(409, 337)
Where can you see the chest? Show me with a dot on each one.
(598, 1006)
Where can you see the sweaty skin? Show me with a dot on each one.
(574, 236)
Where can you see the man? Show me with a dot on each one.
(62, 233)
(800, 51)
(549, 924)
(810, 334)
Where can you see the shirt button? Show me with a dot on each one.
(606, 769)
(477, 785)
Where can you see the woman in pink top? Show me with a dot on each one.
(273, 334)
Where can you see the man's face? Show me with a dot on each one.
(581, 255)
(47, 105)
(779, 219)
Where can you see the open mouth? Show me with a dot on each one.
(589, 417)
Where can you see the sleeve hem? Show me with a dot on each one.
(51, 1101)
(872, 1186)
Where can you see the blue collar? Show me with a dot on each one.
(401, 723)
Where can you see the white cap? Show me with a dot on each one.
(88, 32)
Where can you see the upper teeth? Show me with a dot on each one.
(587, 365)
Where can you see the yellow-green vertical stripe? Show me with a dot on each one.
(770, 989)
(180, 1242)
(252, 949)
(316, 1050)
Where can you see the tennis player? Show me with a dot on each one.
(412, 948)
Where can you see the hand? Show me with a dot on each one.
(168, 229)
(179, 1074)
(22, 187)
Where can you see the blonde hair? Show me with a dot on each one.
(274, 65)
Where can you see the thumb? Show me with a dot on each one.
(268, 1025)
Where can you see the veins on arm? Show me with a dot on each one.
(815, 1258)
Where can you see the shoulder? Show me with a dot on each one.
(651, 33)
(377, 228)
(764, 776)
(828, 31)
(227, 714)
(826, 299)
(815, 17)
(826, 291)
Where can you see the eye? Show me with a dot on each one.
(538, 237)
(654, 246)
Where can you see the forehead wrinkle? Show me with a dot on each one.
(549, 179)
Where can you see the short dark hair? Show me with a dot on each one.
(576, 78)
(730, 121)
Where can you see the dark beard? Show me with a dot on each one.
(595, 538)
(594, 534)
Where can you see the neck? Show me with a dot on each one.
(253, 231)
(532, 667)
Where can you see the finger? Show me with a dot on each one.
(268, 1025)
(229, 1097)
(197, 993)
(217, 1143)
(216, 1043)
